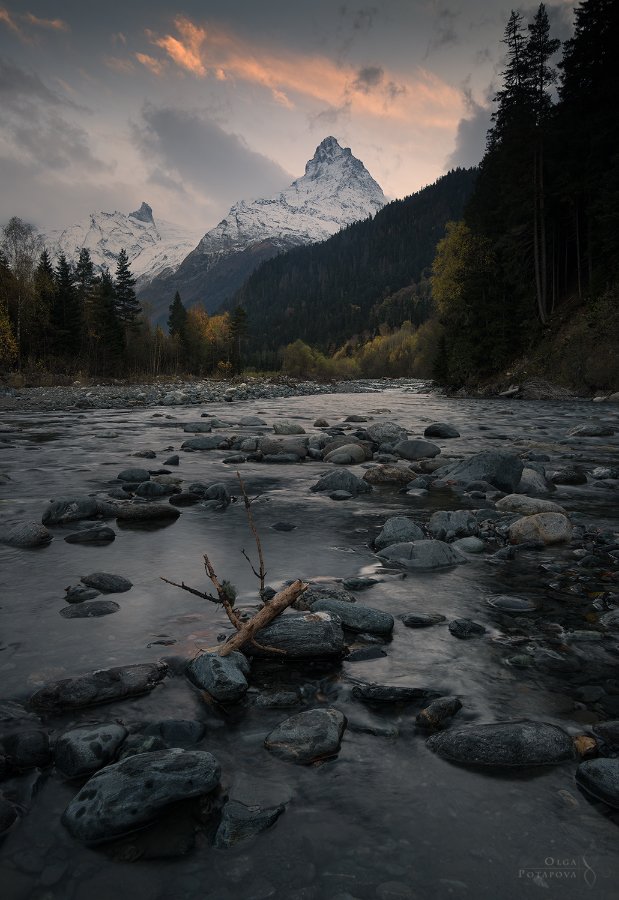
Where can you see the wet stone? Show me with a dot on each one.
(422, 555)
(307, 737)
(398, 530)
(82, 751)
(107, 583)
(600, 779)
(129, 794)
(224, 677)
(70, 509)
(101, 686)
(25, 748)
(312, 635)
(466, 628)
(355, 617)
(504, 744)
(421, 620)
(387, 693)
(100, 535)
(441, 430)
(505, 603)
(438, 713)
(134, 475)
(27, 535)
(239, 822)
(78, 593)
(92, 609)
(8, 815)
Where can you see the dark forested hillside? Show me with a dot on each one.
(325, 293)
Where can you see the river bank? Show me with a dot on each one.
(514, 623)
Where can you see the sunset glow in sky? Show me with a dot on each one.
(193, 107)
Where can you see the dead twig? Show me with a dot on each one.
(261, 574)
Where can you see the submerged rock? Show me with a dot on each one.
(500, 468)
(224, 677)
(287, 428)
(341, 480)
(466, 628)
(453, 523)
(100, 686)
(100, 535)
(106, 583)
(239, 822)
(134, 475)
(592, 429)
(386, 474)
(307, 737)
(82, 751)
(204, 442)
(527, 506)
(356, 617)
(398, 530)
(501, 744)
(27, 535)
(438, 712)
(139, 512)
(441, 430)
(387, 693)
(93, 609)
(129, 794)
(423, 555)
(70, 509)
(600, 778)
(421, 620)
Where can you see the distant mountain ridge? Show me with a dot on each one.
(153, 248)
(335, 191)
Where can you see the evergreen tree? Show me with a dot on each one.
(45, 292)
(238, 332)
(66, 320)
(127, 306)
(108, 333)
(177, 320)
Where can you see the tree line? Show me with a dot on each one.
(67, 318)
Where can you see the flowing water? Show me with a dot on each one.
(386, 818)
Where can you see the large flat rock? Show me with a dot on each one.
(422, 555)
(504, 744)
(312, 635)
(101, 686)
(129, 794)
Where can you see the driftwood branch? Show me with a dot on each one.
(191, 590)
(261, 574)
(269, 611)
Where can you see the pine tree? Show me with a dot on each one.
(127, 306)
(45, 292)
(238, 332)
(177, 320)
(66, 320)
(108, 333)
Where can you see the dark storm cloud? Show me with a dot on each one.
(189, 150)
(34, 122)
(368, 77)
(471, 133)
(333, 115)
(445, 33)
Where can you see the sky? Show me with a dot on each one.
(194, 105)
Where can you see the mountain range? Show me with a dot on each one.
(335, 191)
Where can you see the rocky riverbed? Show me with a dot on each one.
(444, 719)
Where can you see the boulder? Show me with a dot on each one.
(422, 555)
(70, 509)
(239, 822)
(549, 527)
(469, 545)
(27, 536)
(134, 475)
(223, 677)
(106, 583)
(288, 428)
(355, 617)
(386, 474)
(82, 751)
(386, 433)
(398, 530)
(129, 794)
(466, 628)
(527, 506)
(448, 525)
(307, 737)
(421, 620)
(204, 442)
(100, 686)
(251, 421)
(416, 449)
(568, 475)
(24, 747)
(600, 779)
(92, 610)
(149, 490)
(502, 744)
(307, 636)
(101, 534)
(534, 482)
(438, 713)
(346, 455)
(341, 480)
(317, 592)
(441, 430)
(78, 593)
(270, 446)
(197, 427)
(500, 468)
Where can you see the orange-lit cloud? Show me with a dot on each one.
(54, 24)
(156, 66)
(186, 50)
(9, 21)
(122, 66)
(217, 53)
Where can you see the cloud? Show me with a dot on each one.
(471, 134)
(53, 24)
(373, 91)
(156, 66)
(185, 50)
(445, 33)
(188, 152)
(117, 64)
(35, 126)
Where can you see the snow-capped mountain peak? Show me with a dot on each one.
(143, 214)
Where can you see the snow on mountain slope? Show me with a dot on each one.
(153, 248)
(336, 190)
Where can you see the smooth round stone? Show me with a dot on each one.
(93, 609)
(134, 475)
(504, 744)
(441, 430)
(504, 603)
(185, 498)
(421, 620)
(78, 593)
(102, 535)
(308, 736)
(466, 628)
(173, 460)
(469, 545)
(84, 750)
(600, 778)
(106, 583)
(340, 495)
(28, 535)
